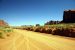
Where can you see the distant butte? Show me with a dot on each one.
(69, 16)
(3, 23)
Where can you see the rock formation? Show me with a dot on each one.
(3, 23)
(69, 16)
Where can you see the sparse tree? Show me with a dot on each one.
(37, 24)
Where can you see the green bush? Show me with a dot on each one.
(5, 32)
(1, 35)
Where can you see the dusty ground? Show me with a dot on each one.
(28, 40)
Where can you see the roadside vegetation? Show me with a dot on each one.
(5, 29)
(54, 29)
(5, 32)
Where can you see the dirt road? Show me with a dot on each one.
(28, 40)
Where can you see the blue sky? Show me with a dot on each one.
(31, 12)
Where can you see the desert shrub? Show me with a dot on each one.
(72, 32)
(1, 35)
(56, 31)
(24, 28)
(28, 28)
(61, 32)
(49, 30)
(5, 32)
(43, 30)
(31, 28)
(37, 29)
(66, 32)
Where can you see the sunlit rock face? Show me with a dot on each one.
(3, 23)
(69, 16)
